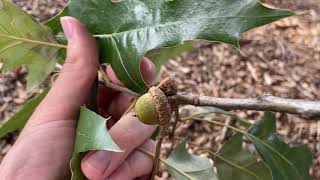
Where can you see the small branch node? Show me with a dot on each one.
(196, 100)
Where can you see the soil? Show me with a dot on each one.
(282, 59)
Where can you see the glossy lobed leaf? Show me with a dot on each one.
(18, 120)
(235, 163)
(285, 162)
(183, 165)
(91, 134)
(158, 56)
(128, 29)
(25, 42)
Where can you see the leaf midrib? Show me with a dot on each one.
(175, 23)
(240, 167)
(279, 154)
(122, 63)
(38, 42)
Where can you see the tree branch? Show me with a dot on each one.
(307, 109)
(303, 108)
(109, 84)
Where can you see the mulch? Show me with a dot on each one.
(282, 59)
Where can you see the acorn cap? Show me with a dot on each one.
(168, 86)
(162, 105)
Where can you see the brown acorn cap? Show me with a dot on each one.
(168, 86)
(162, 105)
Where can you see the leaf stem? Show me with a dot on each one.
(220, 111)
(175, 123)
(109, 84)
(33, 41)
(157, 154)
(216, 123)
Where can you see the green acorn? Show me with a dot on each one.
(153, 107)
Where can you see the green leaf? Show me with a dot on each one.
(92, 134)
(128, 29)
(24, 42)
(162, 55)
(182, 165)
(18, 120)
(54, 23)
(235, 163)
(285, 162)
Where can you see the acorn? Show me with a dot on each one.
(153, 107)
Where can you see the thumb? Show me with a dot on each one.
(77, 76)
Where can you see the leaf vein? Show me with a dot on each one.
(10, 46)
(122, 63)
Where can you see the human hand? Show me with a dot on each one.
(45, 145)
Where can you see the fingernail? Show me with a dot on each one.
(148, 70)
(67, 27)
(100, 160)
(147, 65)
